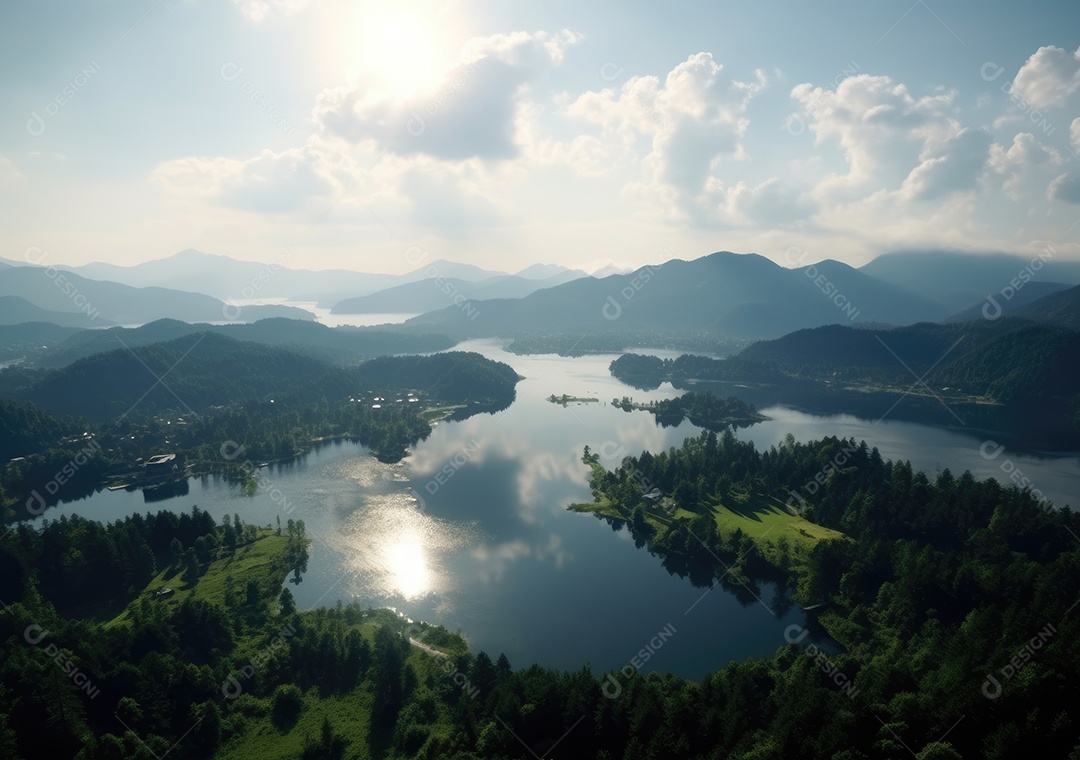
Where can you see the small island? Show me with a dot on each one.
(565, 399)
(705, 410)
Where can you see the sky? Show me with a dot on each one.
(508, 133)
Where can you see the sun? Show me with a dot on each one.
(397, 51)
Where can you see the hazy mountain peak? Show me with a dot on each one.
(957, 280)
(196, 255)
(743, 260)
(446, 268)
(611, 268)
(829, 265)
(544, 271)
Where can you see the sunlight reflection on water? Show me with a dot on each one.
(395, 550)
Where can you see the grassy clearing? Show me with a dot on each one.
(252, 731)
(763, 518)
(436, 413)
(259, 561)
(766, 519)
(349, 714)
(603, 507)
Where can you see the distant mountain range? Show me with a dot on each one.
(996, 305)
(1013, 377)
(737, 296)
(103, 303)
(15, 310)
(749, 296)
(959, 280)
(434, 293)
(229, 279)
(740, 295)
(226, 278)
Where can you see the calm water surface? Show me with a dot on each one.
(471, 530)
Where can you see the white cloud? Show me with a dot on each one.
(470, 114)
(529, 50)
(692, 122)
(335, 182)
(1023, 166)
(490, 156)
(1074, 133)
(444, 201)
(915, 173)
(703, 121)
(953, 166)
(882, 129)
(268, 183)
(1065, 188)
(1048, 77)
(772, 203)
(427, 160)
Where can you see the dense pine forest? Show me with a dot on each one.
(951, 602)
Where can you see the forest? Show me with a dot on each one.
(1009, 361)
(951, 602)
(705, 410)
(54, 452)
(648, 372)
(203, 371)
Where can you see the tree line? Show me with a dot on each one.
(944, 582)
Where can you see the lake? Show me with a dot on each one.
(471, 530)
(324, 316)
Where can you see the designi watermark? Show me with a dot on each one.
(612, 686)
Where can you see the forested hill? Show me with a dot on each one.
(192, 373)
(1006, 360)
(1061, 309)
(196, 372)
(1003, 360)
(26, 428)
(453, 375)
(334, 344)
(647, 372)
(29, 340)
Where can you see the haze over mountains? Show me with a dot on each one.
(107, 303)
(957, 279)
(740, 296)
(749, 296)
(428, 295)
(230, 280)
(15, 310)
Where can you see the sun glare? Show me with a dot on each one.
(397, 50)
(409, 574)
